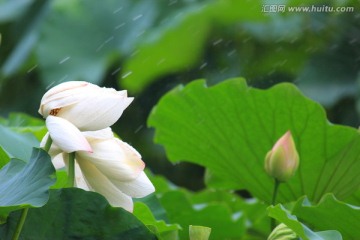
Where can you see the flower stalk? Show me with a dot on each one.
(273, 201)
(48, 144)
(71, 172)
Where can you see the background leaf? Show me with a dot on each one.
(178, 43)
(17, 145)
(11, 10)
(330, 213)
(33, 13)
(19, 134)
(322, 83)
(103, 33)
(229, 128)
(217, 216)
(24, 185)
(4, 158)
(153, 203)
(251, 211)
(281, 214)
(73, 213)
(185, 36)
(354, 199)
(23, 123)
(162, 230)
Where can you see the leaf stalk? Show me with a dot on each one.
(20, 224)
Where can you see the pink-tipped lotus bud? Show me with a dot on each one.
(282, 161)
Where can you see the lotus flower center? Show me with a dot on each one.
(54, 111)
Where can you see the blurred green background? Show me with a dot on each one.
(149, 47)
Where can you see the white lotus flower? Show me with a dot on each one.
(112, 167)
(66, 135)
(87, 106)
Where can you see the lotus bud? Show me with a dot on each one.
(282, 161)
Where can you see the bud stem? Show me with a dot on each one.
(273, 201)
(71, 172)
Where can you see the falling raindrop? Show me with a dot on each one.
(64, 78)
(228, 43)
(280, 39)
(246, 39)
(100, 47)
(118, 10)
(50, 85)
(137, 17)
(282, 63)
(32, 68)
(279, 49)
(64, 60)
(115, 71)
(120, 25)
(179, 14)
(217, 41)
(140, 33)
(352, 41)
(334, 46)
(104, 43)
(231, 53)
(271, 72)
(161, 61)
(126, 74)
(203, 65)
(109, 39)
(224, 69)
(139, 128)
(134, 53)
(172, 2)
(294, 39)
(309, 49)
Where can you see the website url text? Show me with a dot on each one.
(276, 8)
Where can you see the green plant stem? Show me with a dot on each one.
(273, 202)
(71, 172)
(48, 144)
(20, 224)
(24, 212)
